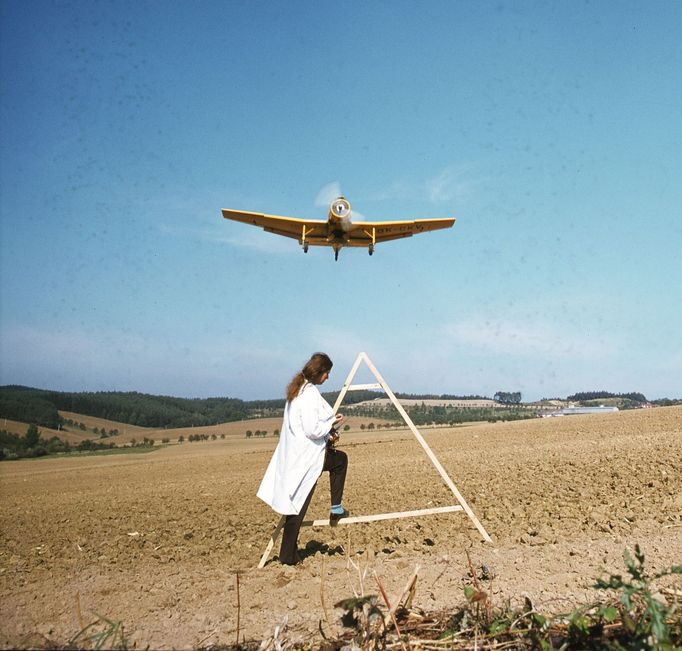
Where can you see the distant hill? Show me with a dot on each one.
(28, 405)
(42, 407)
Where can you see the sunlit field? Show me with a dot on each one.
(156, 540)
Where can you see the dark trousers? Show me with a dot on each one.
(336, 463)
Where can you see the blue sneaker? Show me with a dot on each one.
(334, 517)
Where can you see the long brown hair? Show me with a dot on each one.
(314, 369)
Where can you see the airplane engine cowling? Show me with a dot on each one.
(339, 209)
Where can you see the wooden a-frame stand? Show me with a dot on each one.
(381, 384)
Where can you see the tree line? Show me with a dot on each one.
(28, 406)
(41, 407)
(602, 395)
(508, 397)
(423, 414)
(32, 444)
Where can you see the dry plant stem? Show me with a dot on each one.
(361, 573)
(200, 642)
(472, 571)
(447, 564)
(322, 633)
(349, 562)
(477, 584)
(238, 609)
(78, 611)
(407, 590)
(322, 599)
(532, 611)
(388, 605)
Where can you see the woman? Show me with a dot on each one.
(305, 449)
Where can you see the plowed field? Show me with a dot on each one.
(156, 540)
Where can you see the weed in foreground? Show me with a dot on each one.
(633, 614)
(647, 621)
(103, 633)
(631, 617)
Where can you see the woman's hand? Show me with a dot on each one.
(334, 434)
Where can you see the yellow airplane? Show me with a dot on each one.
(338, 230)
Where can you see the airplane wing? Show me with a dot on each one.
(286, 226)
(364, 233)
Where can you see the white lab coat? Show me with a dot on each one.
(298, 459)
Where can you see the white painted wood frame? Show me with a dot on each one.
(381, 384)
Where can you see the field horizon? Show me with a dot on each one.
(127, 432)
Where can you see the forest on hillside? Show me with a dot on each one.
(42, 407)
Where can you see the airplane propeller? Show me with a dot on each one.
(327, 194)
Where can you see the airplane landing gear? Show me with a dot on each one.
(336, 254)
(305, 248)
(370, 249)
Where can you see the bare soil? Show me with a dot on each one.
(156, 540)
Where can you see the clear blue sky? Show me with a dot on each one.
(551, 130)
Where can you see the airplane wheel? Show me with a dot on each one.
(371, 249)
(305, 248)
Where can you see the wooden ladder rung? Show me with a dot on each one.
(384, 516)
(364, 387)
